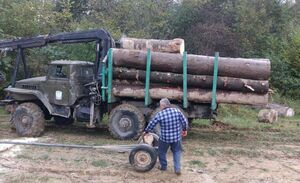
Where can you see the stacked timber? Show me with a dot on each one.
(240, 80)
(168, 46)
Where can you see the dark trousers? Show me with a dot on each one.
(162, 154)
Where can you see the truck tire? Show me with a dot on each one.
(28, 120)
(63, 121)
(143, 158)
(126, 122)
(156, 129)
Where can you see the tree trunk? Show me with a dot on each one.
(198, 81)
(138, 83)
(283, 111)
(194, 95)
(169, 46)
(257, 69)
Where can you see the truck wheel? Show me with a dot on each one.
(126, 122)
(143, 158)
(63, 121)
(28, 120)
(156, 129)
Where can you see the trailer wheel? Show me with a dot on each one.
(28, 119)
(156, 129)
(63, 121)
(126, 122)
(143, 158)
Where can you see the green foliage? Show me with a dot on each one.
(235, 28)
(25, 18)
(207, 26)
(64, 16)
(292, 54)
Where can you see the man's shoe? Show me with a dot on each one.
(161, 168)
(178, 173)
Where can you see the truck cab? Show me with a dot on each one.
(60, 92)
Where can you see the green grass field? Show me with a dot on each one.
(239, 116)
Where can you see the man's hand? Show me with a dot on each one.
(184, 133)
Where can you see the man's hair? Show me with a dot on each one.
(165, 102)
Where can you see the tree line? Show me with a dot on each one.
(235, 28)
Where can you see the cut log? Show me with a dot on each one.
(267, 116)
(139, 83)
(283, 111)
(169, 46)
(198, 81)
(194, 95)
(257, 69)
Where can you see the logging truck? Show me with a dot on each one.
(126, 81)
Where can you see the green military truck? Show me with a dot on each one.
(81, 91)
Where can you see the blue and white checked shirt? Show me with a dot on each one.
(172, 123)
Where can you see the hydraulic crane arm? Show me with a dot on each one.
(102, 38)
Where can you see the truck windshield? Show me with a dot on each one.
(59, 71)
(87, 72)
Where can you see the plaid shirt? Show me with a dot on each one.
(172, 122)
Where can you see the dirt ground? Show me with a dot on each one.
(210, 155)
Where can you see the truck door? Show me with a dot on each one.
(58, 85)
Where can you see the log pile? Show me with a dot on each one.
(168, 46)
(240, 81)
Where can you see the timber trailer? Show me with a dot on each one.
(81, 91)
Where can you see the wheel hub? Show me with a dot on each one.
(142, 159)
(26, 120)
(125, 123)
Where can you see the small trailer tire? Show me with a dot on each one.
(143, 158)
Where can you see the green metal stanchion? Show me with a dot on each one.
(103, 88)
(110, 97)
(185, 99)
(215, 80)
(148, 99)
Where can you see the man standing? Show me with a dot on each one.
(173, 125)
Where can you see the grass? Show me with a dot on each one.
(197, 163)
(251, 153)
(201, 123)
(44, 157)
(100, 163)
(79, 159)
(2, 111)
(212, 152)
(264, 170)
(198, 152)
(24, 156)
(245, 117)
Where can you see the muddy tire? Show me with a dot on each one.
(126, 122)
(143, 158)
(61, 121)
(156, 129)
(28, 119)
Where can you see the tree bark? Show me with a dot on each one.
(194, 95)
(283, 111)
(257, 69)
(267, 116)
(169, 46)
(199, 81)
